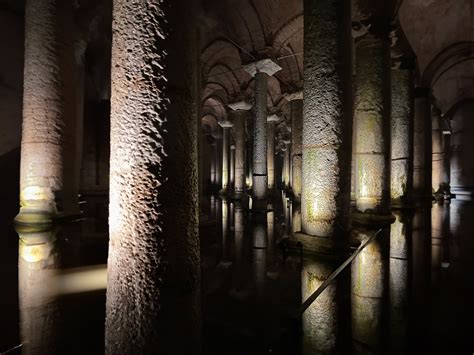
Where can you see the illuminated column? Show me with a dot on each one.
(286, 164)
(369, 274)
(271, 122)
(296, 107)
(240, 114)
(327, 118)
(226, 126)
(232, 167)
(422, 145)
(213, 163)
(372, 115)
(437, 151)
(39, 309)
(402, 133)
(400, 238)
(239, 236)
(218, 162)
(225, 259)
(153, 292)
(41, 168)
(447, 160)
(260, 70)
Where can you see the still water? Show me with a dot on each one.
(409, 291)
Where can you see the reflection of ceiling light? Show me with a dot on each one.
(446, 125)
(445, 265)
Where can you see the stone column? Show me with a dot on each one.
(226, 126)
(260, 70)
(153, 288)
(327, 118)
(240, 114)
(232, 167)
(286, 164)
(296, 108)
(271, 122)
(447, 161)
(213, 163)
(372, 117)
(437, 151)
(402, 134)
(422, 145)
(41, 169)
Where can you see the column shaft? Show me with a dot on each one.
(437, 151)
(402, 135)
(271, 155)
(260, 138)
(153, 264)
(327, 114)
(296, 147)
(422, 145)
(225, 157)
(372, 123)
(231, 166)
(42, 134)
(239, 126)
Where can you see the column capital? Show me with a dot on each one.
(273, 118)
(297, 95)
(232, 147)
(266, 66)
(226, 124)
(240, 106)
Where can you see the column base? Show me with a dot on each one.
(34, 217)
(373, 220)
(320, 245)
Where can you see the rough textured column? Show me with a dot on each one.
(296, 107)
(239, 117)
(437, 151)
(422, 145)
(372, 119)
(226, 126)
(260, 70)
(153, 289)
(232, 166)
(402, 135)
(327, 118)
(271, 122)
(286, 164)
(42, 133)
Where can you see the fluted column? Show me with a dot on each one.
(41, 170)
(271, 122)
(240, 114)
(437, 151)
(296, 108)
(260, 70)
(402, 134)
(327, 114)
(226, 126)
(372, 113)
(153, 288)
(422, 145)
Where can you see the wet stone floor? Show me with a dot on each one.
(409, 291)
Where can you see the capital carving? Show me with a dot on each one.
(266, 66)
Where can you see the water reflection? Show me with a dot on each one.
(368, 292)
(37, 289)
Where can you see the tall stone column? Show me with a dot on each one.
(286, 164)
(296, 108)
(153, 288)
(372, 113)
(239, 117)
(232, 167)
(226, 126)
(327, 115)
(402, 134)
(422, 145)
(271, 122)
(437, 151)
(447, 161)
(260, 70)
(41, 168)
(213, 163)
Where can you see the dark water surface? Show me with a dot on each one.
(411, 290)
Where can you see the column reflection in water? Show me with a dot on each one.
(296, 217)
(239, 236)
(323, 325)
(213, 207)
(259, 244)
(225, 260)
(368, 293)
(271, 252)
(37, 290)
(400, 245)
(437, 220)
(421, 274)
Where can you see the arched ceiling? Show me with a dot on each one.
(441, 33)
